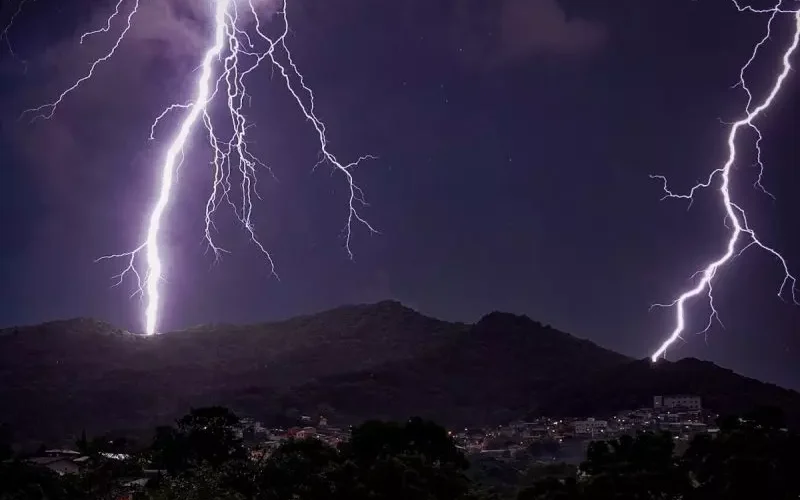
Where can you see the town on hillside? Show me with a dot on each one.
(554, 440)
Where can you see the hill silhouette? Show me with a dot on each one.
(377, 360)
(506, 366)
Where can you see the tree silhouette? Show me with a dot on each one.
(635, 468)
(751, 458)
(82, 443)
(414, 460)
(20, 481)
(630, 468)
(375, 439)
(552, 489)
(6, 451)
(201, 482)
(205, 435)
(301, 469)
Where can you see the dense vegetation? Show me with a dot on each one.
(202, 458)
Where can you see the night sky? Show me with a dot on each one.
(515, 139)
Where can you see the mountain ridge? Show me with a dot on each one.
(369, 360)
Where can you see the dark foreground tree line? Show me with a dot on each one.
(201, 458)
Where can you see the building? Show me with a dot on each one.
(589, 426)
(306, 432)
(677, 402)
(59, 465)
(62, 453)
(642, 414)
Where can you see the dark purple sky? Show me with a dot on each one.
(515, 140)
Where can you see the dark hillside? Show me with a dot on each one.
(378, 360)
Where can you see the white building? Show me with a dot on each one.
(589, 426)
(683, 402)
(59, 465)
(306, 432)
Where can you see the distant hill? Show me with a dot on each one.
(355, 362)
(499, 368)
(507, 366)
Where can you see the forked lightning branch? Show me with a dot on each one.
(236, 50)
(238, 46)
(742, 235)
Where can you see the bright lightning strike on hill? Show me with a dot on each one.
(742, 236)
(237, 53)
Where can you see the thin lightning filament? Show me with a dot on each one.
(742, 236)
(234, 54)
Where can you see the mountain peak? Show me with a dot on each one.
(390, 306)
(390, 303)
(522, 327)
(507, 320)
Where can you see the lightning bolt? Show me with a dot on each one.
(742, 236)
(236, 52)
(4, 34)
